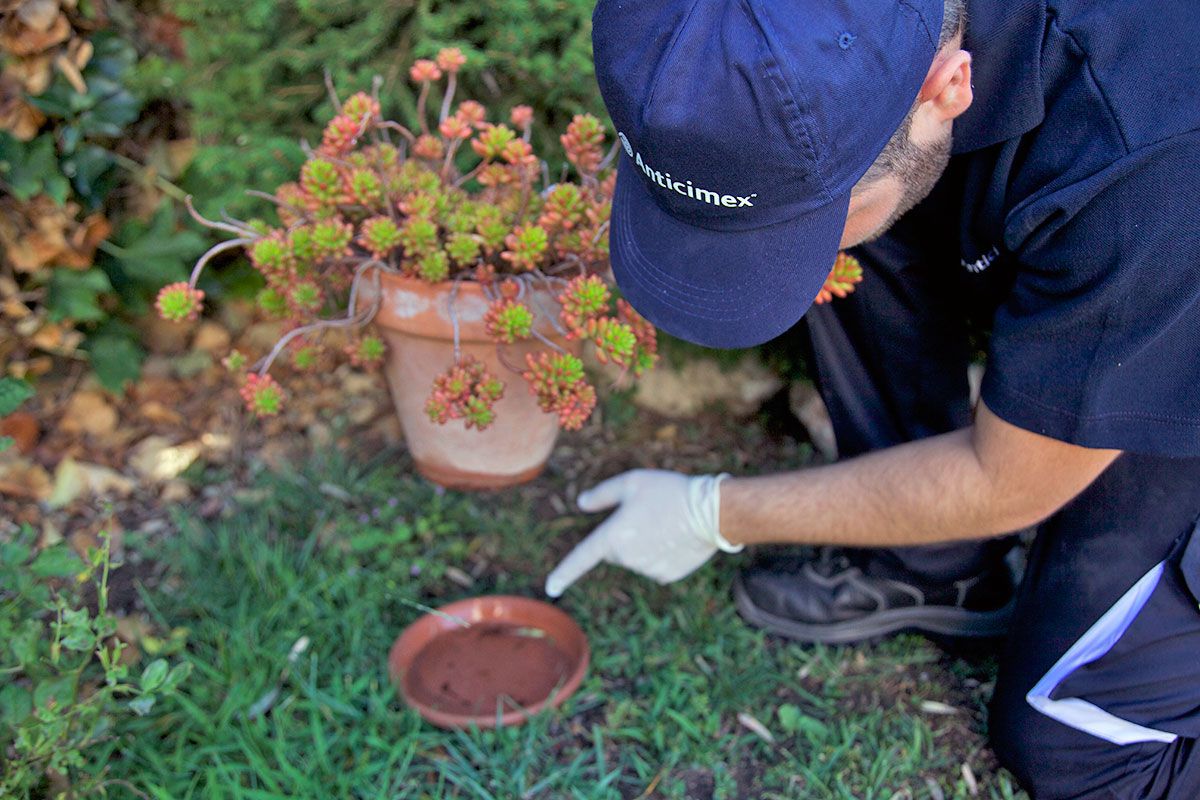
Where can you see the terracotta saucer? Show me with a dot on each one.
(515, 657)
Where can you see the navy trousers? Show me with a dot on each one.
(1098, 694)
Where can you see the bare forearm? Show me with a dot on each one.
(926, 491)
(969, 484)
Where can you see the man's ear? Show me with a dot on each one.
(947, 92)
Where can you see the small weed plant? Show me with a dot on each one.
(64, 684)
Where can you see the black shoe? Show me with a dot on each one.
(834, 600)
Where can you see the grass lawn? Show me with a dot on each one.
(334, 554)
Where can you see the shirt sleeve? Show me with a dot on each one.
(1098, 342)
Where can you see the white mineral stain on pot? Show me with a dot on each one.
(407, 304)
(468, 308)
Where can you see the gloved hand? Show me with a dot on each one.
(665, 527)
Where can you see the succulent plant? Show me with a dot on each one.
(460, 197)
(846, 272)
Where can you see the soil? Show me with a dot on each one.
(471, 670)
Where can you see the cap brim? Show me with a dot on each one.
(723, 289)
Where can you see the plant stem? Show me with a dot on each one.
(208, 223)
(333, 98)
(541, 338)
(471, 174)
(451, 149)
(396, 126)
(352, 319)
(451, 84)
(454, 320)
(376, 84)
(229, 244)
(421, 98)
(601, 230)
(352, 304)
(300, 212)
(609, 156)
(345, 322)
(162, 183)
(505, 362)
(244, 228)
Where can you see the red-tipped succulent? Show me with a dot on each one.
(845, 274)
(457, 194)
(585, 298)
(582, 141)
(264, 397)
(451, 60)
(425, 71)
(466, 391)
(178, 302)
(558, 382)
(366, 351)
(508, 321)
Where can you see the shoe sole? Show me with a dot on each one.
(953, 622)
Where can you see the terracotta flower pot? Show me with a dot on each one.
(415, 320)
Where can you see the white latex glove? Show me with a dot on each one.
(665, 527)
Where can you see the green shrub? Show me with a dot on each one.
(253, 77)
(63, 688)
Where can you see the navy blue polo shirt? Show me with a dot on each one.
(1080, 163)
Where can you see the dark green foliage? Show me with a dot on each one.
(31, 168)
(74, 159)
(75, 144)
(143, 256)
(254, 74)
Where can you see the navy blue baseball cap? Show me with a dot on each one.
(744, 125)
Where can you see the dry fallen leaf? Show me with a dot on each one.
(38, 14)
(755, 727)
(23, 428)
(20, 477)
(39, 233)
(74, 480)
(156, 459)
(969, 777)
(176, 491)
(934, 707)
(88, 412)
(211, 337)
(456, 575)
(21, 39)
(157, 413)
(21, 119)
